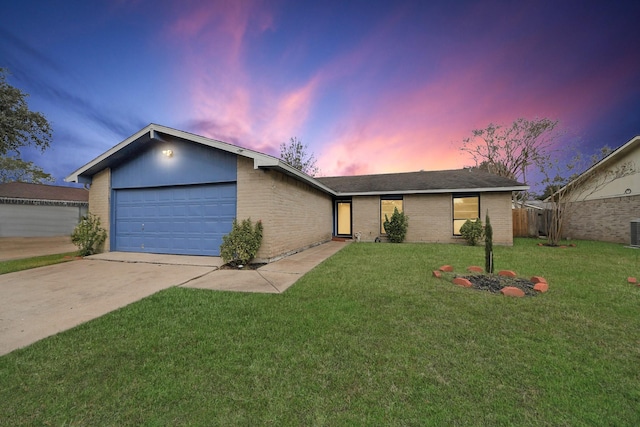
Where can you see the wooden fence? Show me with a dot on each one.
(528, 222)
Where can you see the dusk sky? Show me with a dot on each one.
(370, 86)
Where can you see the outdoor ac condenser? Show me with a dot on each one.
(635, 233)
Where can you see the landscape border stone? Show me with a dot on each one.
(540, 284)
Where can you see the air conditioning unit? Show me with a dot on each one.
(635, 233)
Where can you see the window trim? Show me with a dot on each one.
(453, 210)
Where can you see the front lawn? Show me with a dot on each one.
(367, 338)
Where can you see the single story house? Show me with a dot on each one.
(39, 210)
(167, 191)
(606, 197)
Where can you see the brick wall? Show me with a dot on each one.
(99, 201)
(607, 220)
(365, 217)
(294, 214)
(499, 207)
(431, 217)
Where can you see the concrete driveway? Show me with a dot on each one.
(37, 303)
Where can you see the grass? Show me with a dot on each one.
(367, 338)
(13, 265)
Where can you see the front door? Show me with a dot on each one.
(343, 218)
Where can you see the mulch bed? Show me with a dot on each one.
(494, 283)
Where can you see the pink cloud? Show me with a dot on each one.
(236, 102)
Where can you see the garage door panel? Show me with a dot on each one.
(179, 220)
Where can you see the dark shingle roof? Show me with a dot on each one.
(422, 182)
(28, 191)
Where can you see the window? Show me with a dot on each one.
(387, 206)
(465, 206)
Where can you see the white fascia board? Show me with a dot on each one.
(437, 191)
(609, 158)
(615, 153)
(268, 162)
(260, 160)
(73, 177)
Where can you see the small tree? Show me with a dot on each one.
(88, 235)
(488, 245)
(396, 227)
(471, 231)
(243, 242)
(295, 153)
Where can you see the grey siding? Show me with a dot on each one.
(18, 220)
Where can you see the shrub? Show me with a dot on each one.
(396, 228)
(488, 245)
(88, 235)
(241, 245)
(471, 231)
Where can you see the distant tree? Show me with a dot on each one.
(567, 186)
(20, 127)
(295, 153)
(16, 169)
(510, 151)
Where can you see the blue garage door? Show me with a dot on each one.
(185, 220)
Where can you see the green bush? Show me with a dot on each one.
(396, 228)
(241, 245)
(88, 235)
(471, 231)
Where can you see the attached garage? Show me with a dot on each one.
(172, 197)
(188, 220)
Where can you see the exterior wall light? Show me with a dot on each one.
(167, 153)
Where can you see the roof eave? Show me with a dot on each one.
(618, 151)
(75, 175)
(268, 162)
(435, 191)
(260, 160)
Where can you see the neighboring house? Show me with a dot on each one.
(167, 191)
(39, 210)
(604, 212)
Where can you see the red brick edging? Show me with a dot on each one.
(540, 283)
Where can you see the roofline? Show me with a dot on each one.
(608, 158)
(260, 160)
(436, 191)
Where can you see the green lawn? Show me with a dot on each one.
(367, 338)
(13, 265)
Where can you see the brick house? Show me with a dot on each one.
(604, 212)
(167, 191)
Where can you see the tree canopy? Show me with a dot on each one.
(20, 127)
(15, 169)
(295, 153)
(509, 151)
